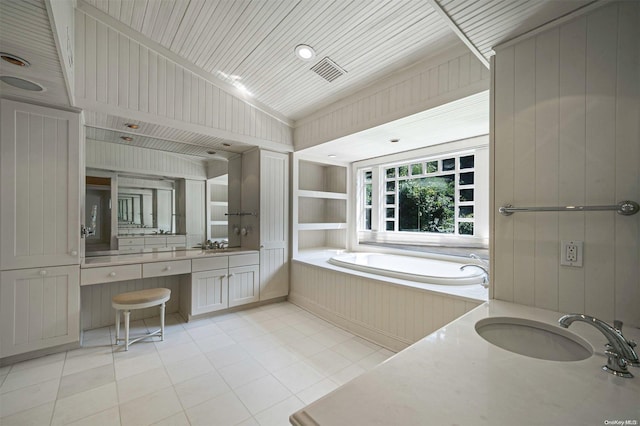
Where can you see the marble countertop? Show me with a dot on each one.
(454, 376)
(159, 255)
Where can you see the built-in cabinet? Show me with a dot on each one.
(319, 205)
(40, 191)
(265, 203)
(220, 282)
(39, 308)
(40, 181)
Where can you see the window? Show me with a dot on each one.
(430, 196)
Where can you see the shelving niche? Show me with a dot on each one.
(321, 207)
(218, 205)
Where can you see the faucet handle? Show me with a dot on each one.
(617, 324)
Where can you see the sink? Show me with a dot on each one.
(534, 339)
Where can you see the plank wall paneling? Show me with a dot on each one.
(390, 315)
(567, 112)
(453, 75)
(115, 72)
(119, 157)
(95, 300)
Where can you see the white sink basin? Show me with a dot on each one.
(534, 339)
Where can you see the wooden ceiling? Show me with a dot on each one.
(251, 42)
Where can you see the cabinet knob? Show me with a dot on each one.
(43, 272)
(230, 275)
(112, 274)
(168, 268)
(74, 253)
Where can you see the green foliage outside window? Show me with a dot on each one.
(427, 204)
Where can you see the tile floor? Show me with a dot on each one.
(253, 367)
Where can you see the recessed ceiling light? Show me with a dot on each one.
(21, 83)
(211, 152)
(304, 52)
(226, 144)
(132, 126)
(332, 156)
(126, 138)
(394, 140)
(15, 60)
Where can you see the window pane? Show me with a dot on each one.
(416, 169)
(466, 212)
(367, 219)
(466, 178)
(448, 164)
(391, 173)
(403, 170)
(391, 213)
(466, 195)
(466, 162)
(465, 228)
(368, 176)
(391, 199)
(390, 226)
(368, 190)
(432, 166)
(391, 186)
(427, 204)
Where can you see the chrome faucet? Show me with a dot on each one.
(485, 276)
(619, 350)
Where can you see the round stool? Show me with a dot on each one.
(140, 299)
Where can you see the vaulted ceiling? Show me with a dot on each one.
(250, 43)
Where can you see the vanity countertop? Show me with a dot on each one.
(453, 376)
(160, 255)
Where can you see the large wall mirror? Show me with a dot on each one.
(146, 205)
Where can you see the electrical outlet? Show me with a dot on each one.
(571, 253)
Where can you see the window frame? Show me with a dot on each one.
(363, 238)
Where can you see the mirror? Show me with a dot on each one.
(146, 205)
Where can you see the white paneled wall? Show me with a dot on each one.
(447, 77)
(95, 300)
(118, 157)
(114, 73)
(390, 315)
(567, 112)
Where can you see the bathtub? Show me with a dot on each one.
(431, 271)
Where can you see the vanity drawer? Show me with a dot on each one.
(139, 241)
(160, 269)
(244, 260)
(155, 241)
(109, 274)
(210, 263)
(176, 239)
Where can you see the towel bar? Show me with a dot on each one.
(625, 208)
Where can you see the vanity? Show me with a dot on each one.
(455, 376)
(203, 281)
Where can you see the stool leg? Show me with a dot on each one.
(117, 326)
(126, 330)
(162, 322)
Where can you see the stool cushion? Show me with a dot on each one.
(141, 296)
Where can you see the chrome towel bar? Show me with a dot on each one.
(625, 208)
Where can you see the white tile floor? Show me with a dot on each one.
(254, 367)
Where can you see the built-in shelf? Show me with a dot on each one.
(321, 226)
(322, 194)
(320, 206)
(217, 195)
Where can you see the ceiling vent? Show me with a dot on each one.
(328, 69)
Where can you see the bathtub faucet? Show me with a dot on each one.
(485, 276)
(619, 350)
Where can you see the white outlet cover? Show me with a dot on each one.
(564, 245)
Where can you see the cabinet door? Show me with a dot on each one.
(39, 308)
(40, 186)
(209, 291)
(274, 227)
(244, 285)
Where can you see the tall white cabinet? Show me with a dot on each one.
(265, 183)
(40, 180)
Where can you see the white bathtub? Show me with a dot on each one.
(431, 271)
